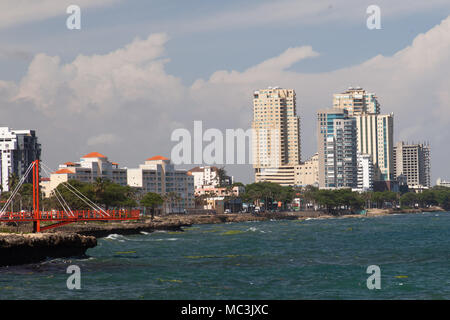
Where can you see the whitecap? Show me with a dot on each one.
(167, 239)
(115, 236)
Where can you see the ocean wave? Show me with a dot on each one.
(115, 236)
(253, 229)
(166, 239)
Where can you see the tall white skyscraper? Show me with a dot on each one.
(19, 148)
(375, 135)
(336, 144)
(375, 131)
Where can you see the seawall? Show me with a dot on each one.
(28, 248)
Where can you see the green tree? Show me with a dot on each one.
(222, 177)
(13, 180)
(152, 200)
(409, 199)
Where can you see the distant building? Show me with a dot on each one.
(19, 148)
(307, 173)
(90, 167)
(442, 183)
(356, 101)
(336, 139)
(208, 176)
(375, 133)
(276, 135)
(284, 175)
(220, 191)
(413, 161)
(365, 173)
(218, 199)
(159, 175)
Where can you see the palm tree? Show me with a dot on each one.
(221, 176)
(99, 188)
(152, 200)
(13, 180)
(170, 198)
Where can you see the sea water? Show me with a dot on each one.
(313, 259)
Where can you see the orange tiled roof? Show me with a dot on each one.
(61, 171)
(115, 163)
(94, 155)
(69, 163)
(157, 158)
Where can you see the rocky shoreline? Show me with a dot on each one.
(35, 247)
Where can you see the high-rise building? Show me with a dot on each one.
(365, 172)
(375, 131)
(276, 135)
(336, 139)
(356, 101)
(414, 162)
(375, 135)
(19, 148)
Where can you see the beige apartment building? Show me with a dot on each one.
(159, 175)
(308, 172)
(156, 175)
(413, 162)
(276, 135)
(356, 101)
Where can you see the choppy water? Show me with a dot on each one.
(314, 259)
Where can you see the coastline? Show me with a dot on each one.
(73, 240)
(177, 222)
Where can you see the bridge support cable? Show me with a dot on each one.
(86, 199)
(59, 197)
(81, 196)
(61, 204)
(16, 189)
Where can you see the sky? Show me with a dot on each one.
(138, 70)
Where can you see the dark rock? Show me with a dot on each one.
(28, 248)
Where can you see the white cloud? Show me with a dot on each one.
(128, 92)
(103, 139)
(100, 84)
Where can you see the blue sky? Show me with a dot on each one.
(199, 53)
(202, 38)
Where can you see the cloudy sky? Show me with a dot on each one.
(137, 70)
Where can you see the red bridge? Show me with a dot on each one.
(62, 217)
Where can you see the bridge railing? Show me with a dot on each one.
(75, 215)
